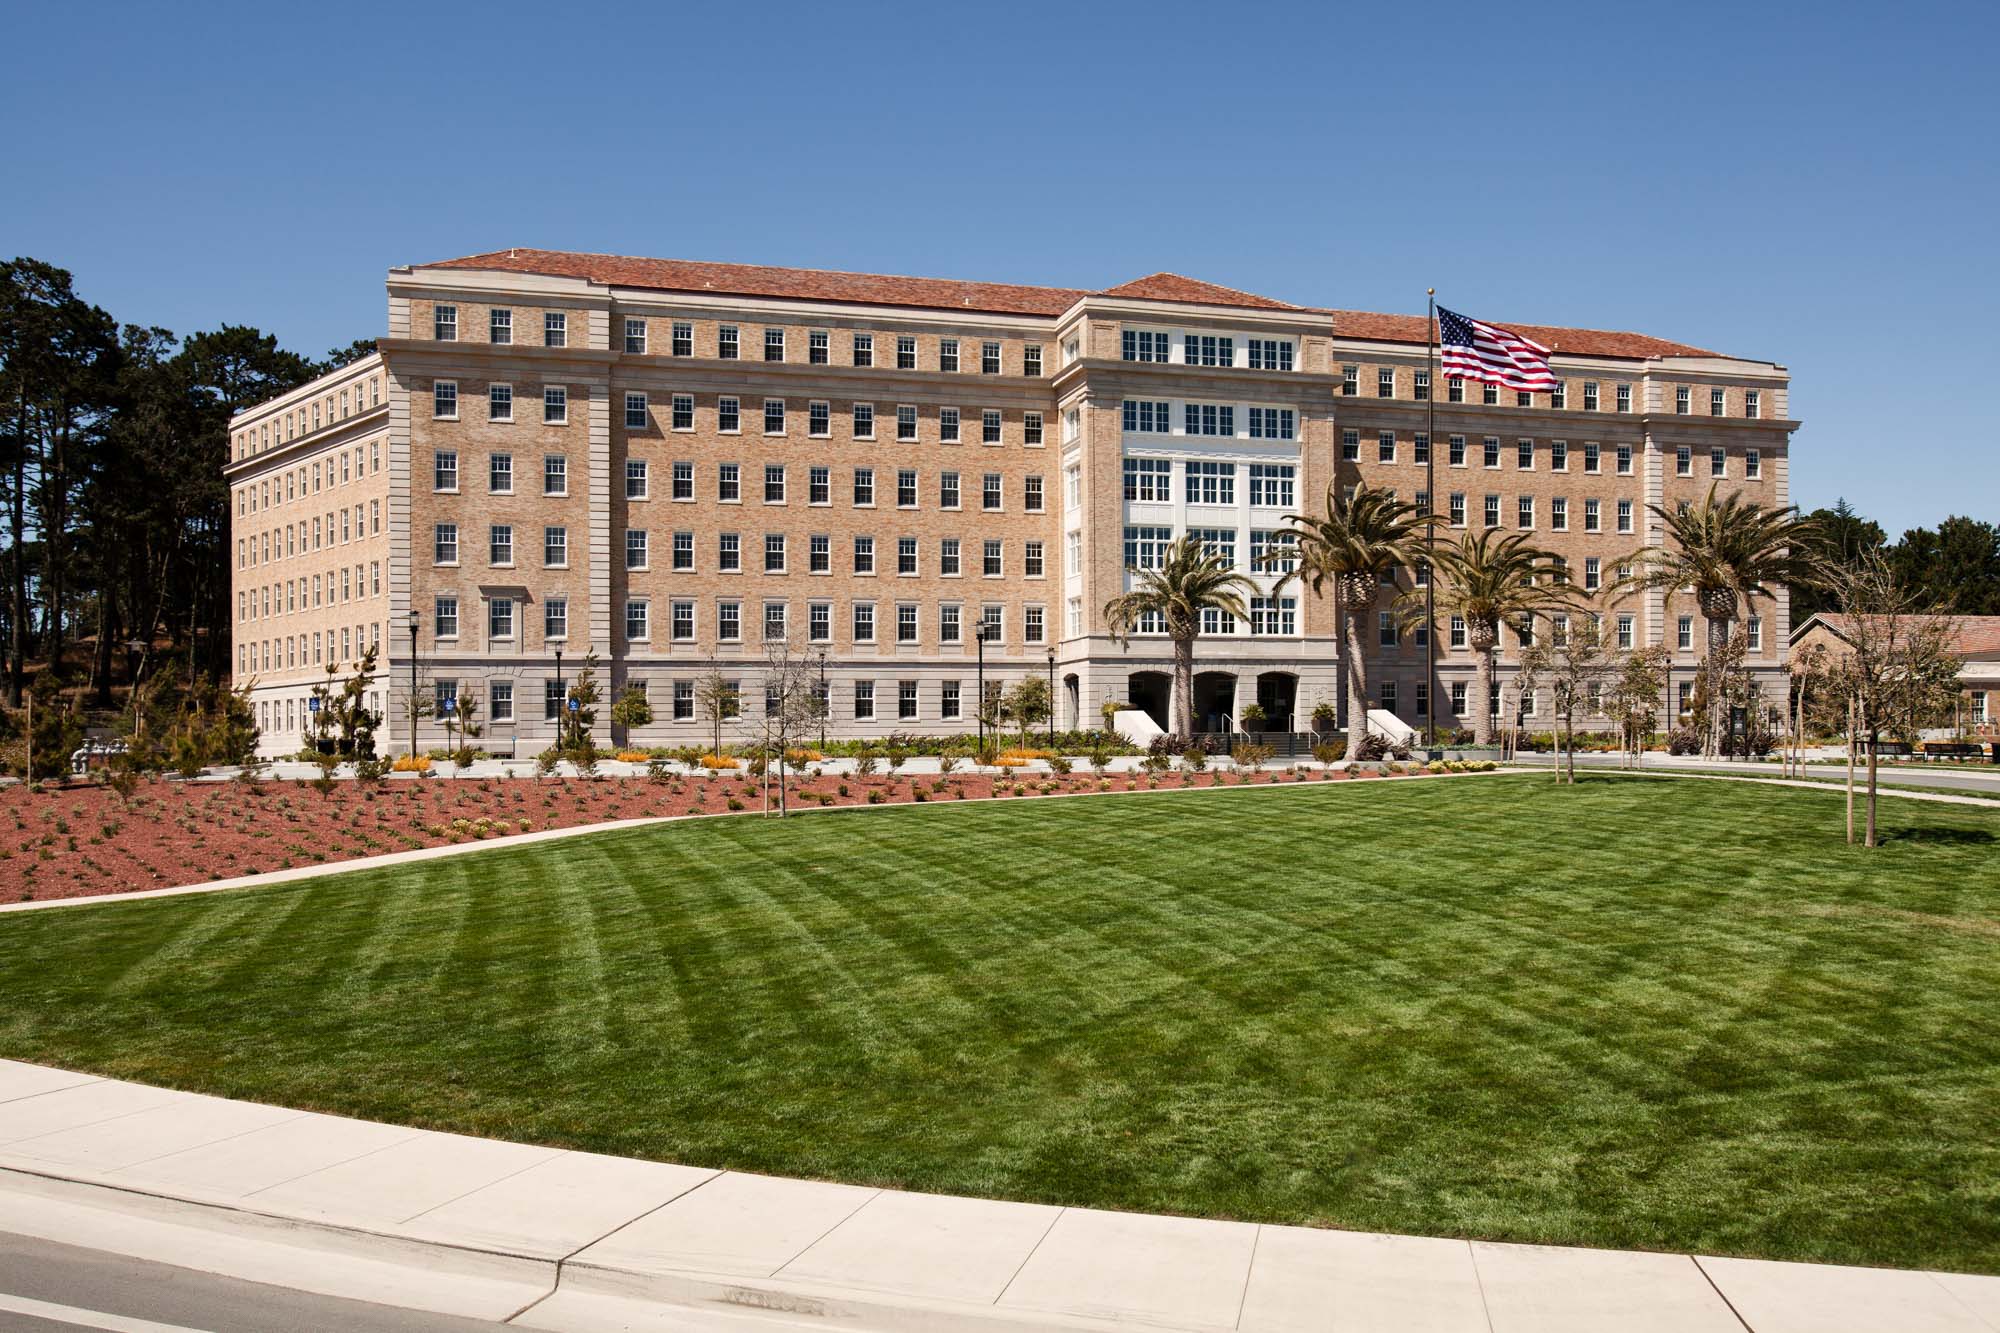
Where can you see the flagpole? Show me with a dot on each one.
(1430, 530)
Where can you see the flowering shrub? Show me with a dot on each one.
(716, 762)
(632, 756)
(413, 764)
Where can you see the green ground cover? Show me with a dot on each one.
(1637, 1012)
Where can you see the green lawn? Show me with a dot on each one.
(1639, 1012)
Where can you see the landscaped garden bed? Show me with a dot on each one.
(85, 839)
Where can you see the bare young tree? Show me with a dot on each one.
(791, 711)
(715, 702)
(1576, 662)
(1897, 666)
(1633, 700)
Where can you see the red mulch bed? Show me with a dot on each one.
(83, 840)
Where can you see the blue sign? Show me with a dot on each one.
(312, 705)
(447, 706)
(573, 705)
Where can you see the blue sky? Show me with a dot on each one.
(1812, 184)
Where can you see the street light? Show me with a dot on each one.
(825, 703)
(413, 621)
(562, 714)
(979, 700)
(1052, 700)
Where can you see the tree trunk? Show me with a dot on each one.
(1357, 678)
(1851, 737)
(1183, 702)
(17, 664)
(1485, 640)
(1873, 756)
(1717, 615)
(1569, 736)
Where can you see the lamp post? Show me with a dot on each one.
(979, 700)
(825, 703)
(413, 620)
(562, 702)
(1052, 700)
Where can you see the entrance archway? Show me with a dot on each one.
(1214, 700)
(1151, 690)
(1073, 701)
(1276, 693)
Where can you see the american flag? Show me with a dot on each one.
(1474, 350)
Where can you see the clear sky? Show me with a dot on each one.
(1813, 184)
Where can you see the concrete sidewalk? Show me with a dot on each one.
(551, 1239)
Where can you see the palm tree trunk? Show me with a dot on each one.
(1357, 679)
(1718, 643)
(1183, 710)
(1482, 686)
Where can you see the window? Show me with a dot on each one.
(906, 353)
(638, 625)
(635, 337)
(819, 622)
(682, 417)
(1525, 511)
(1559, 395)
(1492, 511)
(1592, 516)
(446, 620)
(774, 416)
(1559, 514)
(819, 419)
(1145, 547)
(1753, 634)
(444, 470)
(1558, 455)
(906, 556)
(948, 490)
(1715, 402)
(774, 621)
(1625, 516)
(1148, 479)
(1032, 560)
(555, 405)
(1718, 463)
(683, 338)
(500, 544)
(555, 617)
(1144, 345)
(728, 342)
(1524, 455)
(1624, 397)
(1211, 483)
(1386, 629)
(1684, 633)
(1350, 446)
(683, 551)
(864, 349)
(1523, 398)
(1420, 449)
(864, 690)
(948, 557)
(729, 621)
(774, 344)
(681, 622)
(991, 563)
(1206, 349)
(444, 400)
(1489, 451)
(1273, 423)
(1271, 485)
(444, 323)
(1591, 458)
(1385, 382)
(1270, 353)
(1274, 615)
(444, 544)
(1753, 464)
(862, 420)
(636, 550)
(1385, 446)
(1625, 632)
(906, 423)
(774, 483)
(989, 358)
(635, 479)
(992, 627)
(1031, 359)
(555, 474)
(1455, 451)
(1753, 400)
(729, 551)
(948, 425)
(1683, 461)
(989, 426)
(864, 555)
(1682, 395)
(864, 622)
(1031, 492)
(682, 482)
(817, 347)
(1457, 509)
(728, 415)
(635, 411)
(500, 325)
(500, 618)
(948, 623)
(1624, 460)
(906, 488)
(1146, 418)
(948, 354)
(1422, 386)
(1593, 573)
(819, 554)
(864, 486)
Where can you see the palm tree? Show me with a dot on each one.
(1189, 580)
(1730, 552)
(1492, 579)
(1352, 546)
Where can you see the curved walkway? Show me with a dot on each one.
(544, 1238)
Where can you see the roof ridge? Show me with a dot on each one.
(513, 250)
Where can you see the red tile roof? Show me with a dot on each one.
(1976, 636)
(807, 284)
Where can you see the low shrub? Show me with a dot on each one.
(413, 764)
(715, 763)
(632, 757)
(1330, 752)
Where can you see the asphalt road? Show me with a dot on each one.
(1950, 779)
(50, 1288)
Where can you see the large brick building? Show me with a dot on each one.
(666, 462)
